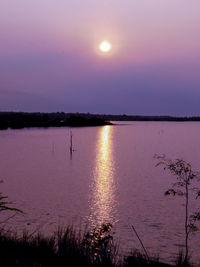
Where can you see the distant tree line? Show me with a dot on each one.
(145, 118)
(19, 120)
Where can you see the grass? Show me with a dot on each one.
(67, 247)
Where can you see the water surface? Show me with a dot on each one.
(110, 177)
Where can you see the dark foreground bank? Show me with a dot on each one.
(66, 247)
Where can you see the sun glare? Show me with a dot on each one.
(105, 46)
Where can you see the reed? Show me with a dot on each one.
(67, 247)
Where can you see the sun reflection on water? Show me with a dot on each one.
(103, 203)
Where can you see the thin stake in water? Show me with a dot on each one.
(145, 251)
(71, 147)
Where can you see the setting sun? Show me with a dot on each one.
(105, 46)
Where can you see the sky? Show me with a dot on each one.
(50, 60)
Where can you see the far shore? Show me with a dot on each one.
(20, 120)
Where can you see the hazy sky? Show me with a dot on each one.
(49, 57)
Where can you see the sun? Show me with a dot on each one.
(105, 46)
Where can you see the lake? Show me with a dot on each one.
(110, 177)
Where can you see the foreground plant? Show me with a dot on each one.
(99, 244)
(66, 247)
(184, 185)
(4, 204)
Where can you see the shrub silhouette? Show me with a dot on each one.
(185, 179)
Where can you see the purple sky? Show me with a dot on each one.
(49, 58)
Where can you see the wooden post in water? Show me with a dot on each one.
(71, 148)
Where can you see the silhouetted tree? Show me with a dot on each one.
(185, 179)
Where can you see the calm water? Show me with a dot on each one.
(111, 177)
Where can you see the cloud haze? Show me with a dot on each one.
(49, 59)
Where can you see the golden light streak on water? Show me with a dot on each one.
(103, 203)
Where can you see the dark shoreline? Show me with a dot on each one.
(20, 120)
